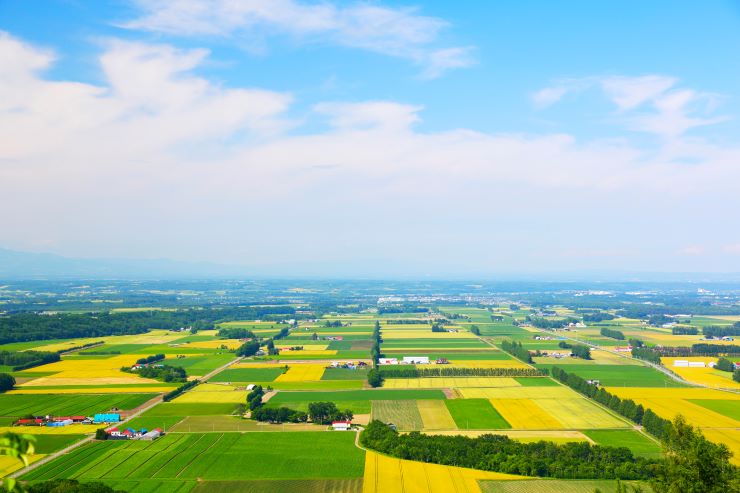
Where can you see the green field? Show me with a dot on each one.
(638, 443)
(67, 404)
(46, 444)
(353, 485)
(190, 409)
(344, 374)
(404, 414)
(620, 375)
(212, 456)
(201, 365)
(247, 375)
(475, 414)
(356, 395)
(728, 408)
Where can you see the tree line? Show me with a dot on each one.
(516, 349)
(578, 350)
(22, 360)
(612, 333)
(441, 371)
(179, 390)
(499, 453)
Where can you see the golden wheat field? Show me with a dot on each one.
(435, 415)
(449, 382)
(213, 393)
(694, 414)
(580, 413)
(525, 414)
(731, 438)
(302, 373)
(672, 393)
(519, 393)
(306, 347)
(386, 474)
(11, 464)
(705, 376)
(81, 372)
(216, 344)
(51, 430)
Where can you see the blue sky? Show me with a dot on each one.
(409, 138)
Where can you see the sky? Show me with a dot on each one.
(384, 138)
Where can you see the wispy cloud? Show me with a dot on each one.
(652, 103)
(393, 31)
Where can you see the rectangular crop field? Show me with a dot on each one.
(247, 375)
(731, 409)
(61, 405)
(475, 414)
(448, 382)
(302, 372)
(525, 414)
(556, 486)
(355, 395)
(404, 414)
(638, 443)
(621, 375)
(435, 415)
(212, 456)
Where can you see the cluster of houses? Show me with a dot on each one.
(131, 434)
(412, 360)
(348, 365)
(58, 421)
(725, 338)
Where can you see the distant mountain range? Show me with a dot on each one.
(27, 265)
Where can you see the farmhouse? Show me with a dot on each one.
(106, 418)
(341, 425)
(415, 360)
(387, 361)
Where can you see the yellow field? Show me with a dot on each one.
(525, 414)
(503, 363)
(658, 393)
(428, 334)
(81, 372)
(731, 438)
(306, 347)
(213, 393)
(50, 430)
(580, 413)
(519, 393)
(302, 373)
(705, 376)
(434, 415)
(385, 474)
(133, 389)
(694, 414)
(608, 358)
(11, 464)
(216, 344)
(449, 382)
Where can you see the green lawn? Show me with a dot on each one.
(638, 443)
(475, 414)
(248, 375)
(67, 404)
(620, 375)
(212, 456)
(730, 409)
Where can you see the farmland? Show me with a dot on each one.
(213, 440)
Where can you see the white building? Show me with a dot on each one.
(387, 361)
(415, 360)
(341, 425)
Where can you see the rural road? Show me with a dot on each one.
(90, 438)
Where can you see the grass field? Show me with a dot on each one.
(61, 405)
(387, 474)
(213, 456)
(402, 413)
(353, 485)
(344, 374)
(356, 395)
(731, 409)
(247, 375)
(475, 414)
(620, 375)
(638, 443)
(177, 408)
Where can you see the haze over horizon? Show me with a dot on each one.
(416, 137)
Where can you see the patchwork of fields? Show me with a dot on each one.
(211, 444)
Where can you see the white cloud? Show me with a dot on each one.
(398, 32)
(157, 161)
(651, 103)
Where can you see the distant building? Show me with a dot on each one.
(106, 418)
(341, 425)
(415, 360)
(387, 361)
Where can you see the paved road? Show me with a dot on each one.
(89, 439)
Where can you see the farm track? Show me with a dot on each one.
(137, 412)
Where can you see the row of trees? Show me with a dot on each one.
(718, 331)
(499, 453)
(322, 413)
(7, 382)
(597, 317)
(684, 330)
(164, 373)
(550, 323)
(441, 371)
(150, 359)
(235, 333)
(179, 390)
(21, 360)
(578, 350)
(517, 350)
(614, 334)
(701, 349)
(645, 353)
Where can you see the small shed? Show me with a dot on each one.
(341, 425)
